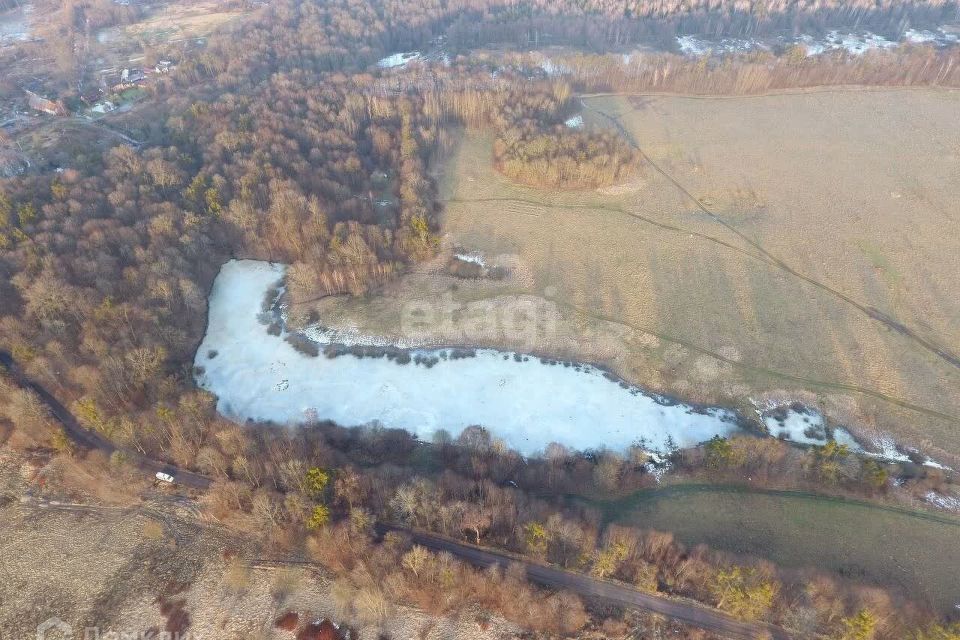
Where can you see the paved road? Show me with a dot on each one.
(92, 440)
(686, 611)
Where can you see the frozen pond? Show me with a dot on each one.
(527, 402)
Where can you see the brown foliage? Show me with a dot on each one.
(289, 621)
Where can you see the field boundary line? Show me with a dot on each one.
(686, 488)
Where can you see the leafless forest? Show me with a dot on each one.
(280, 141)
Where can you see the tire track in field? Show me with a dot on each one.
(603, 207)
(870, 311)
(814, 382)
(836, 386)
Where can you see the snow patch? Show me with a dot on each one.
(887, 449)
(803, 425)
(814, 47)
(940, 37)
(550, 67)
(940, 501)
(399, 59)
(348, 336)
(857, 43)
(103, 107)
(697, 46)
(854, 42)
(919, 37)
(658, 466)
(474, 257)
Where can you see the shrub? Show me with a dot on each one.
(303, 344)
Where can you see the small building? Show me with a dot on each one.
(103, 107)
(132, 76)
(39, 101)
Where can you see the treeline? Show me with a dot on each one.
(612, 24)
(372, 579)
(563, 158)
(336, 483)
(759, 72)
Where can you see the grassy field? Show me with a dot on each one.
(171, 22)
(916, 552)
(818, 213)
(853, 191)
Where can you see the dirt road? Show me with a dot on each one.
(90, 439)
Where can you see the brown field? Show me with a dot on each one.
(173, 22)
(160, 567)
(816, 209)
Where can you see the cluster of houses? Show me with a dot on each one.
(40, 100)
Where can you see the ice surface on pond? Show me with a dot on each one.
(398, 59)
(526, 402)
(802, 427)
(575, 122)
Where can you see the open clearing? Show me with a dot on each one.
(173, 22)
(826, 204)
(916, 552)
(142, 571)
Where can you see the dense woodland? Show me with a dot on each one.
(279, 142)
(601, 25)
(761, 72)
